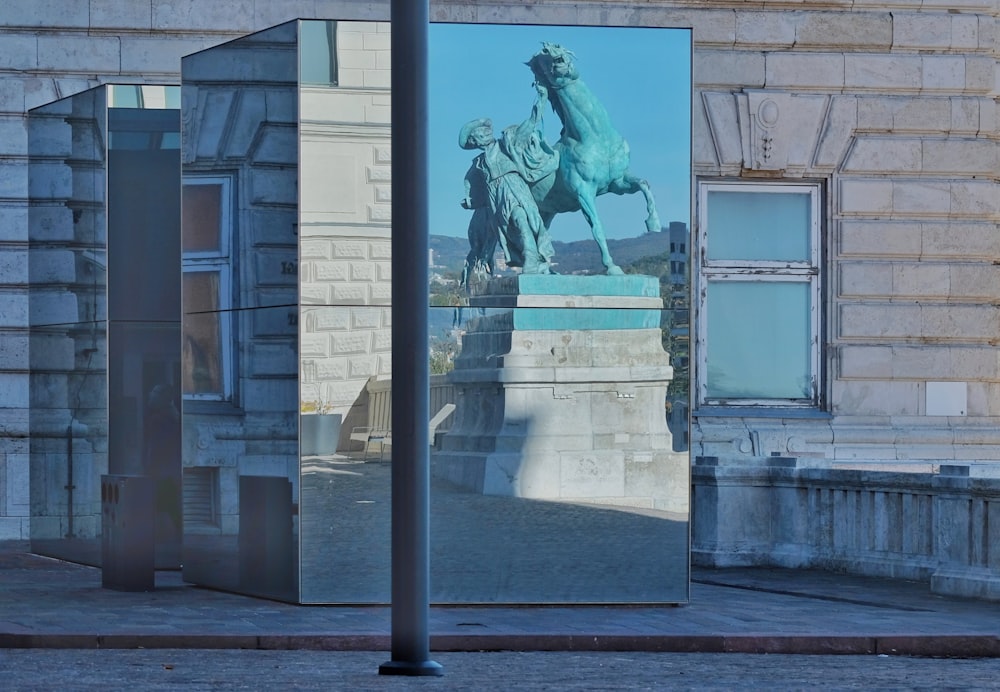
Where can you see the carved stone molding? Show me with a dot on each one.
(779, 132)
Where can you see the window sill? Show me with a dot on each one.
(806, 413)
(210, 407)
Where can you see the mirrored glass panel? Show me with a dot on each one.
(104, 311)
(239, 288)
(286, 372)
(560, 188)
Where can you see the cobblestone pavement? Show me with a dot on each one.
(170, 669)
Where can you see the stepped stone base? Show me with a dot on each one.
(562, 397)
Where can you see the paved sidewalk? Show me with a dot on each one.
(46, 603)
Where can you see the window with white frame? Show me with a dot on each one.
(206, 223)
(758, 327)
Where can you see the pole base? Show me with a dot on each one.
(412, 668)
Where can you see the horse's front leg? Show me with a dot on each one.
(629, 184)
(589, 208)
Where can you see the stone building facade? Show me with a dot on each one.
(882, 115)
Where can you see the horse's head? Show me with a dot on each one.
(553, 66)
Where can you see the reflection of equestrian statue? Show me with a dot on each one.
(497, 189)
(593, 157)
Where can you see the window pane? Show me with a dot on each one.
(758, 340)
(759, 226)
(201, 218)
(202, 334)
(317, 52)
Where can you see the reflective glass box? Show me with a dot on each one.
(286, 359)
(104, 312)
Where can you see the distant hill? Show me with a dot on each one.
(577, 257)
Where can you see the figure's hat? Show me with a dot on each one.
(467, 128)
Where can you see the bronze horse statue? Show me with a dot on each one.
(593, 157)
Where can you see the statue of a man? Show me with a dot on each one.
(507, 166)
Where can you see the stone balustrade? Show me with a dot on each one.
(934, 527)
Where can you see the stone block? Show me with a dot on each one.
(343, 344)
(852, 30)
(920, 280)
(234, 16)
(267, 14)
(771, 29)
(14, 528)
(921, 31)
(13, 351)
(14, 389)
(380, 250)
(943, 73)
(980, 74)
(314, 346)
(310, 249)
(921, 362)
(861, 196)
(13, 179)
(975, 198)
(984, 399)
(379, 294)
(960, 156)
(921, 197)
(724, 129)
(703, 158)
(591, 474)
(879, 320)
(112, 14)
(978, 281)
(960, 240)
(349, 294)
(877, 398)
(959, 321)
(328, 319)
(865, 279)
(361, 368)
(350, 249)
(965, 115)
(881, 72)
(331, 271)
(866, 362)
(543, 13)
(314, 294)
(880, 239)
(884, 155)
(50, 14)
(157, 56)
(70, 54)
(12, 95)
(366, 318)
(805, 70)
(331, 369)
(355, 59)
(272, 186)
(965, 31)
(841, 121)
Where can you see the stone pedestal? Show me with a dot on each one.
(561, 395)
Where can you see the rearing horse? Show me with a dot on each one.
(594, 158)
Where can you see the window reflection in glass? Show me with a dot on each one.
(202, 373)
(317, 52)
(202, 217)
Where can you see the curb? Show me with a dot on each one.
(942, 646)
